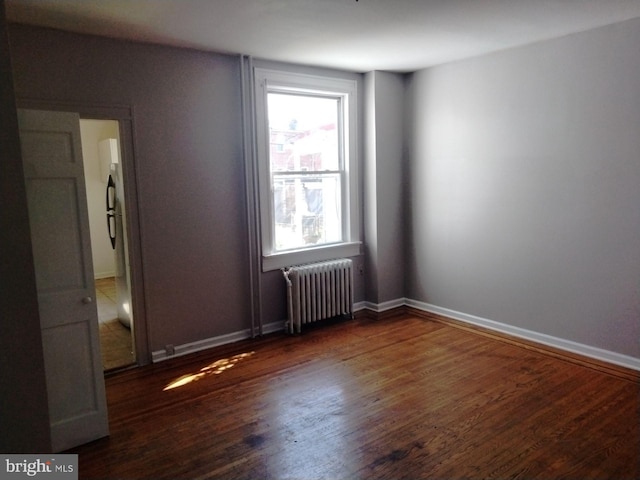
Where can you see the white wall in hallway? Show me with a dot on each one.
(92, 131)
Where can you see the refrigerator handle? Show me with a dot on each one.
(111, 194)
(111, 211)
(111, 226)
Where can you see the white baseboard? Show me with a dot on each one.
(192, 347)
(99, 275)
(360, 306)
(541, 338)
(187, 348)
(560, 343)
(381, 307)
(273, 327)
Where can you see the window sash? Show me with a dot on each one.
(271, 81)
(320, 223)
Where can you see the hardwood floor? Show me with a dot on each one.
(116, 343)
(402, 397)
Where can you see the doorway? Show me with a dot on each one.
(61, 243)
(105, 185)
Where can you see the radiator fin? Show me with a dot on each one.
(318, 291)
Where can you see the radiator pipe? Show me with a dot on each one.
(285, 272)
(251, 188)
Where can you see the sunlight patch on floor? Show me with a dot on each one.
(215, 368)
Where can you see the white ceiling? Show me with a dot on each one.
(357, 35)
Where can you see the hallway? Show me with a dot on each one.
(116, 344)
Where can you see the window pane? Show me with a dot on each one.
(307, 210)
(303, 133)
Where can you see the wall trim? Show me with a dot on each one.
(92, 111)
(563, 345)
(361, 306)
(101, 275)
(382, 307)
(192, 347)
(529, 335)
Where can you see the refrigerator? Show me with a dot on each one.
(116, 227)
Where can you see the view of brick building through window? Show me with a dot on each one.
(306, 169)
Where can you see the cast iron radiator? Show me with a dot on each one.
(318, 291)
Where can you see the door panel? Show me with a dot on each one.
(56, 234)
(73, 367)
(59, 222)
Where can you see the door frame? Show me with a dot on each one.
(125, 116)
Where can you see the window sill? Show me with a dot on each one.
(308, 255)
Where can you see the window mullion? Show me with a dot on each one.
(294, 173)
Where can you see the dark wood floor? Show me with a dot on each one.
(392, 398)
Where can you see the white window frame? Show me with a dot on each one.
(266, 81)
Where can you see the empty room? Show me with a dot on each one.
(362, 238)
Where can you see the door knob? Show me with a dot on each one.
(87, 300)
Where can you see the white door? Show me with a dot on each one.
(52, 159)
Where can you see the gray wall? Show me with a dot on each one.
(522, 193)
(525, 187)
(383, 186)
(189, 166)
(24, 413)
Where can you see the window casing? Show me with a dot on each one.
(307, 167)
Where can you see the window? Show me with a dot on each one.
(307, 167)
